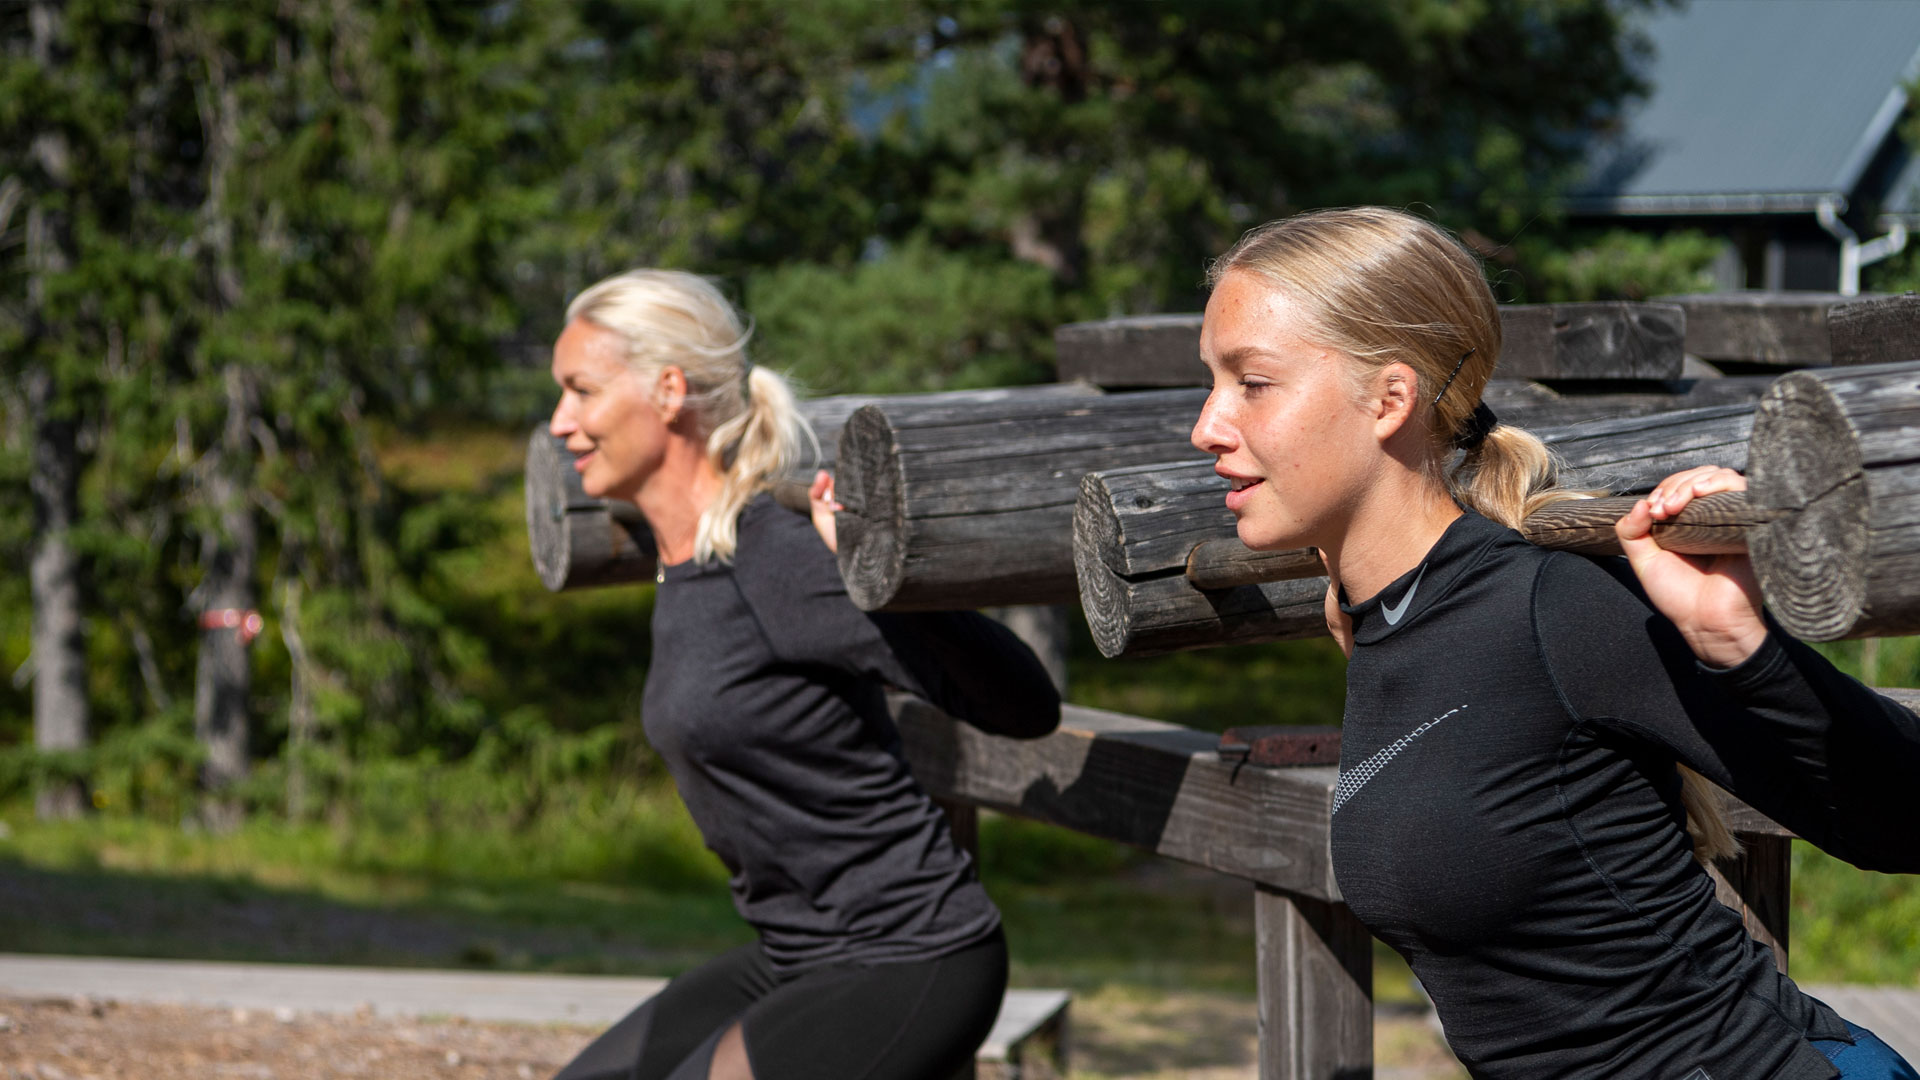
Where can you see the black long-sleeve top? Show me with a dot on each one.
(1508, 813)
(765, 698)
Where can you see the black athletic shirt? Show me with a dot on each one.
(1508, 814)
(765, 697)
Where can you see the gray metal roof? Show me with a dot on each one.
(1757, 106)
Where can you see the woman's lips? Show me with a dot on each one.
(580, 461)
(1242, 491)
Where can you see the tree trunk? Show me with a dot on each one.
(59, 645)
(224, 679)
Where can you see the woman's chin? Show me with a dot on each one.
(1263, 536)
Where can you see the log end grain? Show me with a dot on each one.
(1103, 599)
(578, 541)
(873, 549)
(1805, 460)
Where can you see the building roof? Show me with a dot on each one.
(1757, 106)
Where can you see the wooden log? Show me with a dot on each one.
(1715, 525)
(972, 506)
(1132, 352)
(1537, 406)
(1835, 450)
(577, 541)
(1136, 529)
(965, 506)
(1315, 987)
(1612, 340)
(1799, 329)
(581, 542)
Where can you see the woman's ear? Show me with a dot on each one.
(670, 392)
(1396, 397)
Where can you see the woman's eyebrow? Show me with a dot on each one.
(1237, 358)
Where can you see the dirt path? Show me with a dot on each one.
(1117, 1033)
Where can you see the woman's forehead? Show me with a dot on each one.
(1248, 314)
(587, 348)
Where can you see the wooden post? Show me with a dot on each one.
(1758, 883)
(1316, 988)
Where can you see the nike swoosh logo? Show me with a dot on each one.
(1393, 612)
(1352, 780)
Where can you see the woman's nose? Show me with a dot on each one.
(561, 424)
(1211, 433)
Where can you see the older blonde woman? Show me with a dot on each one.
(879, 955)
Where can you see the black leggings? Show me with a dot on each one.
(913, 1021)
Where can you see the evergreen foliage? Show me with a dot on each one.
(316, 249)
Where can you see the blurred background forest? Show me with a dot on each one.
(277, 284)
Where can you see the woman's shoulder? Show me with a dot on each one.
(1572, 578)
(767, 527)
(778, 549)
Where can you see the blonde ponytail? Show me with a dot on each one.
(1386, 287)
(1509, 476)
(752, 425)
(764, 441)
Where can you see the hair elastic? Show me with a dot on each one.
(1479, 423)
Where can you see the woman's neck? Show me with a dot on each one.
(675, 496)
(1387, 536)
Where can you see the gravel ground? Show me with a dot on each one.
(1116, 1034)
(96, 1040)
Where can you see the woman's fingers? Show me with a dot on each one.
(822, 503)
(1672, 495)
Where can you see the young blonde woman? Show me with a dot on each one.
(879, 955)
(1522, 727)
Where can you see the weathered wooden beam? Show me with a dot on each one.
(581, 542)
(1156, 786)
(1607, 341)
(1799, 329)
(1136, 529)
(971, 506)
(1131, 353)
(1836, 451)
(1537, 405)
